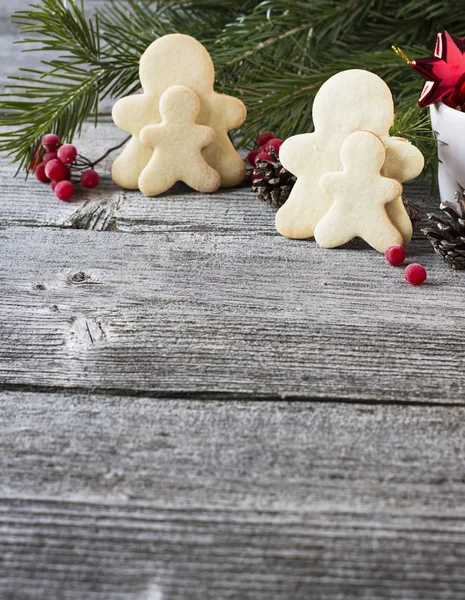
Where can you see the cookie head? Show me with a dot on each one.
(354, 100)
(363, 152)
(176, 59)
(179, 104)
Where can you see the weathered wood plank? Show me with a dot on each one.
(107, 497)
(221, 312)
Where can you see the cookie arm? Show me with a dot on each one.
(295, 152)
(403, 160)
(234, 111)
(132, 113)
(330, 182)
(390, 190)
(206, 135)
(152, 135)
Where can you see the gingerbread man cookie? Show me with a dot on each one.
(178, 59)
(360, 194)
(350, 101)
(177, 142)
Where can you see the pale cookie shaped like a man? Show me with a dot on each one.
(360, 194)
(350, 101)
(177, 144)
(178, 59)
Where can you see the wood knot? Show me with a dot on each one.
(40, 286)
(79, 277)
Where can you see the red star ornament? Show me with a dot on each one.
(444, 71)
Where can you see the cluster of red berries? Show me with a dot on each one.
(414, 273)
(265, 142)
(54, 163)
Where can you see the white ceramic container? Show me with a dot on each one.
(449, 129)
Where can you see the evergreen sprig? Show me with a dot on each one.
(273, 54)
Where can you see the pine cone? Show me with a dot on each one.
(413, 209)
(447, 231)
(274, 183)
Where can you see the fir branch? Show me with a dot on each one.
(273, 54)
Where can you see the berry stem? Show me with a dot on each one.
(108, 152)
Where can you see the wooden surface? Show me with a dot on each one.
(195, 408)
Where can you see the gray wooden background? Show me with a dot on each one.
(195, 408)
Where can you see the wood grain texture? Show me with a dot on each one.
(199, 294)
(229, 499)
(219, 312)
(192, 309)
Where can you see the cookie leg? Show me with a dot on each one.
(379, 232)
(333, 231)
(303, 210)
(400, 219)
(202, 178)
(223, 158)
(130, 164)
(155, 179)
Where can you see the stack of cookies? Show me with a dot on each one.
(179, 124)
(349, 171)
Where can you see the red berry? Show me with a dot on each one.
(50, 142)
(53, 185)
(56, 170)
(395, 255)
(35, 160)
(48, 156)
(275, 143)
(264, 156)
(252, 156)
(67, 154)
(264, 137)
(64, 190)
(415, 274)
(90, 179)
(40, 173)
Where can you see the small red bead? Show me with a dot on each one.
(67, 154)
(264, 137)
(252, 157)
(48, 156)
(51, 142)
(275, 143)
(40, 173)
(56, 170)
(395, 255)
(254, 176)
(90, 179)
(64, 190)
(415, 274)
